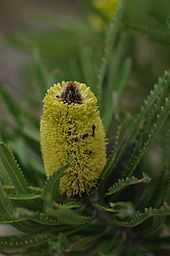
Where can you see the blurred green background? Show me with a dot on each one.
(56, 28)
(25, 18)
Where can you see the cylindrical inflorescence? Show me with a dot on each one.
(72, 134)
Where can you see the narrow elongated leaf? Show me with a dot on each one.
(110, 39)
(122, 79)
(11, 170)
(6, 207)
(12, 221)
(139, 217)
(19, 114)
(70, 217)
(41, 72)
(25, 197)
(119, 209)
(83, 244)
(10, 103)
(125, 182)
(23, 241)
(161, 35)
(111, 86)
(142, 130)
(153, 115)
(51, 190)
(114, 70)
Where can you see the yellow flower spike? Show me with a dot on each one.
(72, 133)
(107, 7)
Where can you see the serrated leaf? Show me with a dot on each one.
(150, 120)
(32, 200)
(13, 242)
(60, 217)
(8, 214)
(125, 182)
(142, 130)
(6, 207)
(11, 170)
(139, 217)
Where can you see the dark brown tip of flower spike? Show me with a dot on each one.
(71, 93)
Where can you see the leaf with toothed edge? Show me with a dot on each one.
(23, 240)
(151, 118)
(6, 206)
(139, 217)
(142, 129)
(132, 218)
(11, 170)
(125, 182)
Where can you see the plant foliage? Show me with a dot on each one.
(127, 213)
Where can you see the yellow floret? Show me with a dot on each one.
(72, 133)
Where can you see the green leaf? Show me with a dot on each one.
(139, 217)
(119, 209)
(11, 170)
(88, 67)
(13, 242)
(12, 221)
(12, 106)
(32, 200)
(44, 219)
(150, 120)
(142, 129)
(61, 217)
(108, 166)
(83, 244)
(41, 72)
(152, 20)
(24, 197)
(125, 182)
(30, 132)
(114, 70)
(6, 207)
(10, 215)
(110, 39)
(67, 216)
(117, 68)
(52, 190)
(59, 244)
(122, 78)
